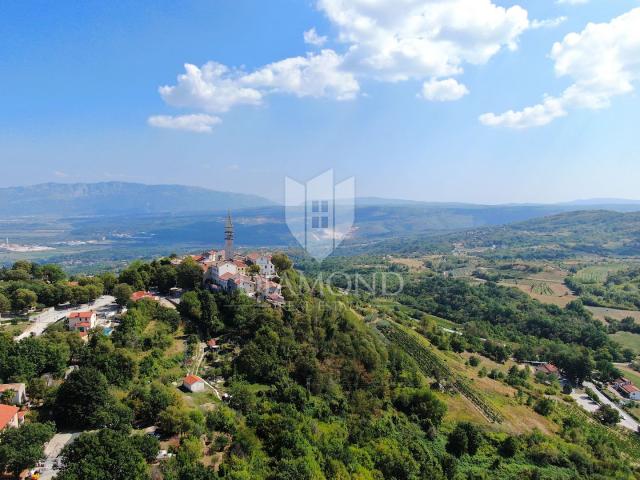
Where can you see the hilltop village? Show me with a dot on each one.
(225, 270)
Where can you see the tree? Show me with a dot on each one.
(282, 262)
(465, 438)
(24, 299)
(509, 447)
(421, 404)
(608, 415)
(109, 280)
(107, 455)
(166, 278)
(23, 447)
(122, 292)
(544, 406)
(189, 274)
(189, 306)
(52, 273)
(5, 304)
(83, 401)
(254, 269)
(209, 321)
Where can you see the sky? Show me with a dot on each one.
(482, 101)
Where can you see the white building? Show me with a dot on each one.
(88, 317)
(193, 383)
(19, 392)
(267, 269)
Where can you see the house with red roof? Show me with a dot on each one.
(193, 383)
(626, 388)
(212, 345)
(548, 369)
(139, 295)
(86, 317)
(9, 417)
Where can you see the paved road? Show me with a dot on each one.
(52, 451)
(589, 405)
(40, 322)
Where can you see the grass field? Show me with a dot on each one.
(599, 273)
(545, 291)
(601, 312)
(627, 340)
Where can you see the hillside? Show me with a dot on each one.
(117, 198)
(561, 235)
(330, 386)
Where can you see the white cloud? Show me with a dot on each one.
(602, 61)
(213, 88)
(402, 39)
(443, 90)
(216, 88)
(388, 40)
(548, 23)
(316, 75)
(312, 38)
(200, 122)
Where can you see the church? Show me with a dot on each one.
(253, 274)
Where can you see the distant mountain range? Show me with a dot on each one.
(133, 220)
(118, 198)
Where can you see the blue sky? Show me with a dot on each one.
(80, 99)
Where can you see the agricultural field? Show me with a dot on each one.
(599, 273)
(414, 264)
(628, 340)
(601, 313)
(545, 292)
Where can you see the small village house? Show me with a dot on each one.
(9, 417)
(548, 369)
(139, 295)
(193, 383)
(82, 321)
(18, 392)
(626, 388)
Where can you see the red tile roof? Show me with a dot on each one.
(629, 388)
(191, 379)
(83, 324)
(212, 343)
(549, 368)
(87, 314)
(226, 276)
(139, 295)
(7, 412)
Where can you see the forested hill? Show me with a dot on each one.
(118, 198)
(601, 232)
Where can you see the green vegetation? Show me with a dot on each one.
(608, 286)
(357, 385)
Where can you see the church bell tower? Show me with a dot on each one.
(228, 238)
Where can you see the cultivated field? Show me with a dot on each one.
(601, 312)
